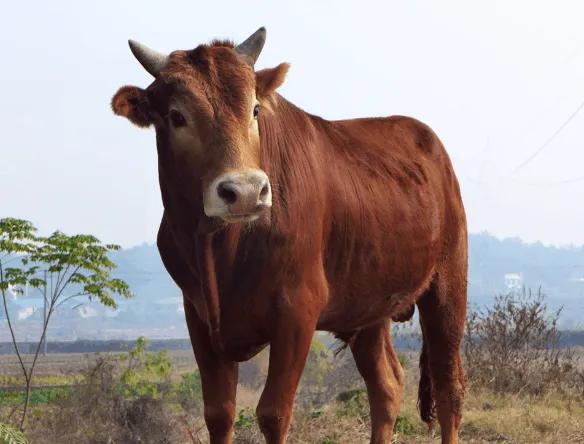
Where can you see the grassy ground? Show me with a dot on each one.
(488, 417)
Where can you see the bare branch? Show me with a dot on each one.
(69, 298)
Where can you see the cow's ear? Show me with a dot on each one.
(132, 102)
(268, 80)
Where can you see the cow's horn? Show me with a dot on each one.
(250, 49)
(152, 61)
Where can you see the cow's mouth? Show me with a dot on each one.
(241, 218)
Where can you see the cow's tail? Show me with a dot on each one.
(426, 403)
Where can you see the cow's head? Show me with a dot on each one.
(204, 105)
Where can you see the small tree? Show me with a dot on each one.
(62, 267)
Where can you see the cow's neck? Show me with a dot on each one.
(291, 157)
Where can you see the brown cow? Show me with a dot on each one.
(278, 223)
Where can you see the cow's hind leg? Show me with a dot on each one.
(379, 366)
(442, 380)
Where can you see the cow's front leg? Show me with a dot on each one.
(293, 329)
(218, 378)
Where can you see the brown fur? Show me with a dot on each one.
(367, 220)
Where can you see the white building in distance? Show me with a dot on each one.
(513, 281)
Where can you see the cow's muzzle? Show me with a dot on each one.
(238, 197)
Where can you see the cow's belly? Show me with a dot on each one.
(373, 282)
(351, 309)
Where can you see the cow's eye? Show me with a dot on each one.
(256, 111)
(176, 118)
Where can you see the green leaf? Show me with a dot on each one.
(75, 265)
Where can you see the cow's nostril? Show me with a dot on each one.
(264, 190)
(227, 193)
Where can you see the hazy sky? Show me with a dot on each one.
(495, 79)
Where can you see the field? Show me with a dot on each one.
(331, 405)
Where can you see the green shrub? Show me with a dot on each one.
(190, 392)
(246, 418)
(37, 396)
(145, 372)
(404, 426)
(353, 403)
(318, 363)
(314, 392)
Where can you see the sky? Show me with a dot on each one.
(499, 82)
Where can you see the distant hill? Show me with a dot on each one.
(559, 272)
(156, 310)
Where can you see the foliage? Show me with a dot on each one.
(246, 418)
(512, 347)
(10, 435)
(62, 267)
(318, 367)
(353, 403)
(246, 430)
(145, 372)
(318, 364)
(80, 260)
(190, 392)
(404, 426)
(37, 396)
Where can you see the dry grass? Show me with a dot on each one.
(524, 419)
(488, 417)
